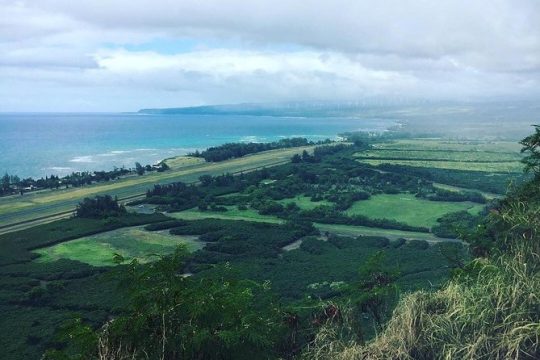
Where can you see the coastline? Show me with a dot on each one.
(120, 140)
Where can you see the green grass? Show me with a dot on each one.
(305, 203)
(15, 246)
(232, 213)
(494, 167)
(408, 209)
(349, 230)
(465, 156)
(503, 157)
(453, 145)
(183, 161)
(487, 195)
(14, 209)
(135, 242)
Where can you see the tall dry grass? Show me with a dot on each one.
(494, 316)
(491, 312)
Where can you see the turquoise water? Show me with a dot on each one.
(43, 144)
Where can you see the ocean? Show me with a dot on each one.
(39, 144)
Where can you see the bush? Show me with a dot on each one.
(374, 241)
(417, 244)
(165, 225)
(270, 208)
(398, 243)
(491, 315)
(313, 245)
(99, 207)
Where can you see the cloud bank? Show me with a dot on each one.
(123, 55)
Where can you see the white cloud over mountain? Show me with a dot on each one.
(122, 55)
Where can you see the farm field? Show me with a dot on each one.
(409, 209)
(131, 243)
(15, 209)
(448, 155)
(453, 145)
(495, 157)
(493, 167)
(232, 213)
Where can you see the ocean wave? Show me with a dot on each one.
(58, 168)
(252, 139)
(83, 159)
(311, 136)
(122, 152)
(132, 155)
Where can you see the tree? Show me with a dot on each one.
(531, 147)
(139, 168)
(175, 317)
(15, 180)
(205, 180)
(5, 182)
(99, 207)
(163, 167)
(376, 288)
(305, 156)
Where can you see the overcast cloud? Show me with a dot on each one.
(65, 55)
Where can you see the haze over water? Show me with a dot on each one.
(40, 144)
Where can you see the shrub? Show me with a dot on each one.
(417, 244)
(99, 207)
(398, 243)
(492, 315)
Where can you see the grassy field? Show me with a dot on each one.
(496, 167)
(453, 145)
(232, 213)
(408, 209)
(502, 157)
(134, 242)
(462, 156)
(15, 209)
(305, 203)
(349, 230)
(487, 195)
(183, 161)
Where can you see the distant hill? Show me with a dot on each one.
(487, 120)
(303, 109)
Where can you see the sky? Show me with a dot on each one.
(123, 55)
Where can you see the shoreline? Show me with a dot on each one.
(148, 141)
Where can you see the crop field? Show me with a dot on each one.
(134, 242)
(408, 209)
(497, 167)
(442, 155)
(350, 230)
(232, 213)
(440, 145)
(492, 157)
(305, 203)
(14, 209)
(494, 167)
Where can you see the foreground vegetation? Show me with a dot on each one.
(130, 243)
(490, 308)
(303, 260)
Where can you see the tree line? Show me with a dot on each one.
(236, 150)
(13, 184)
